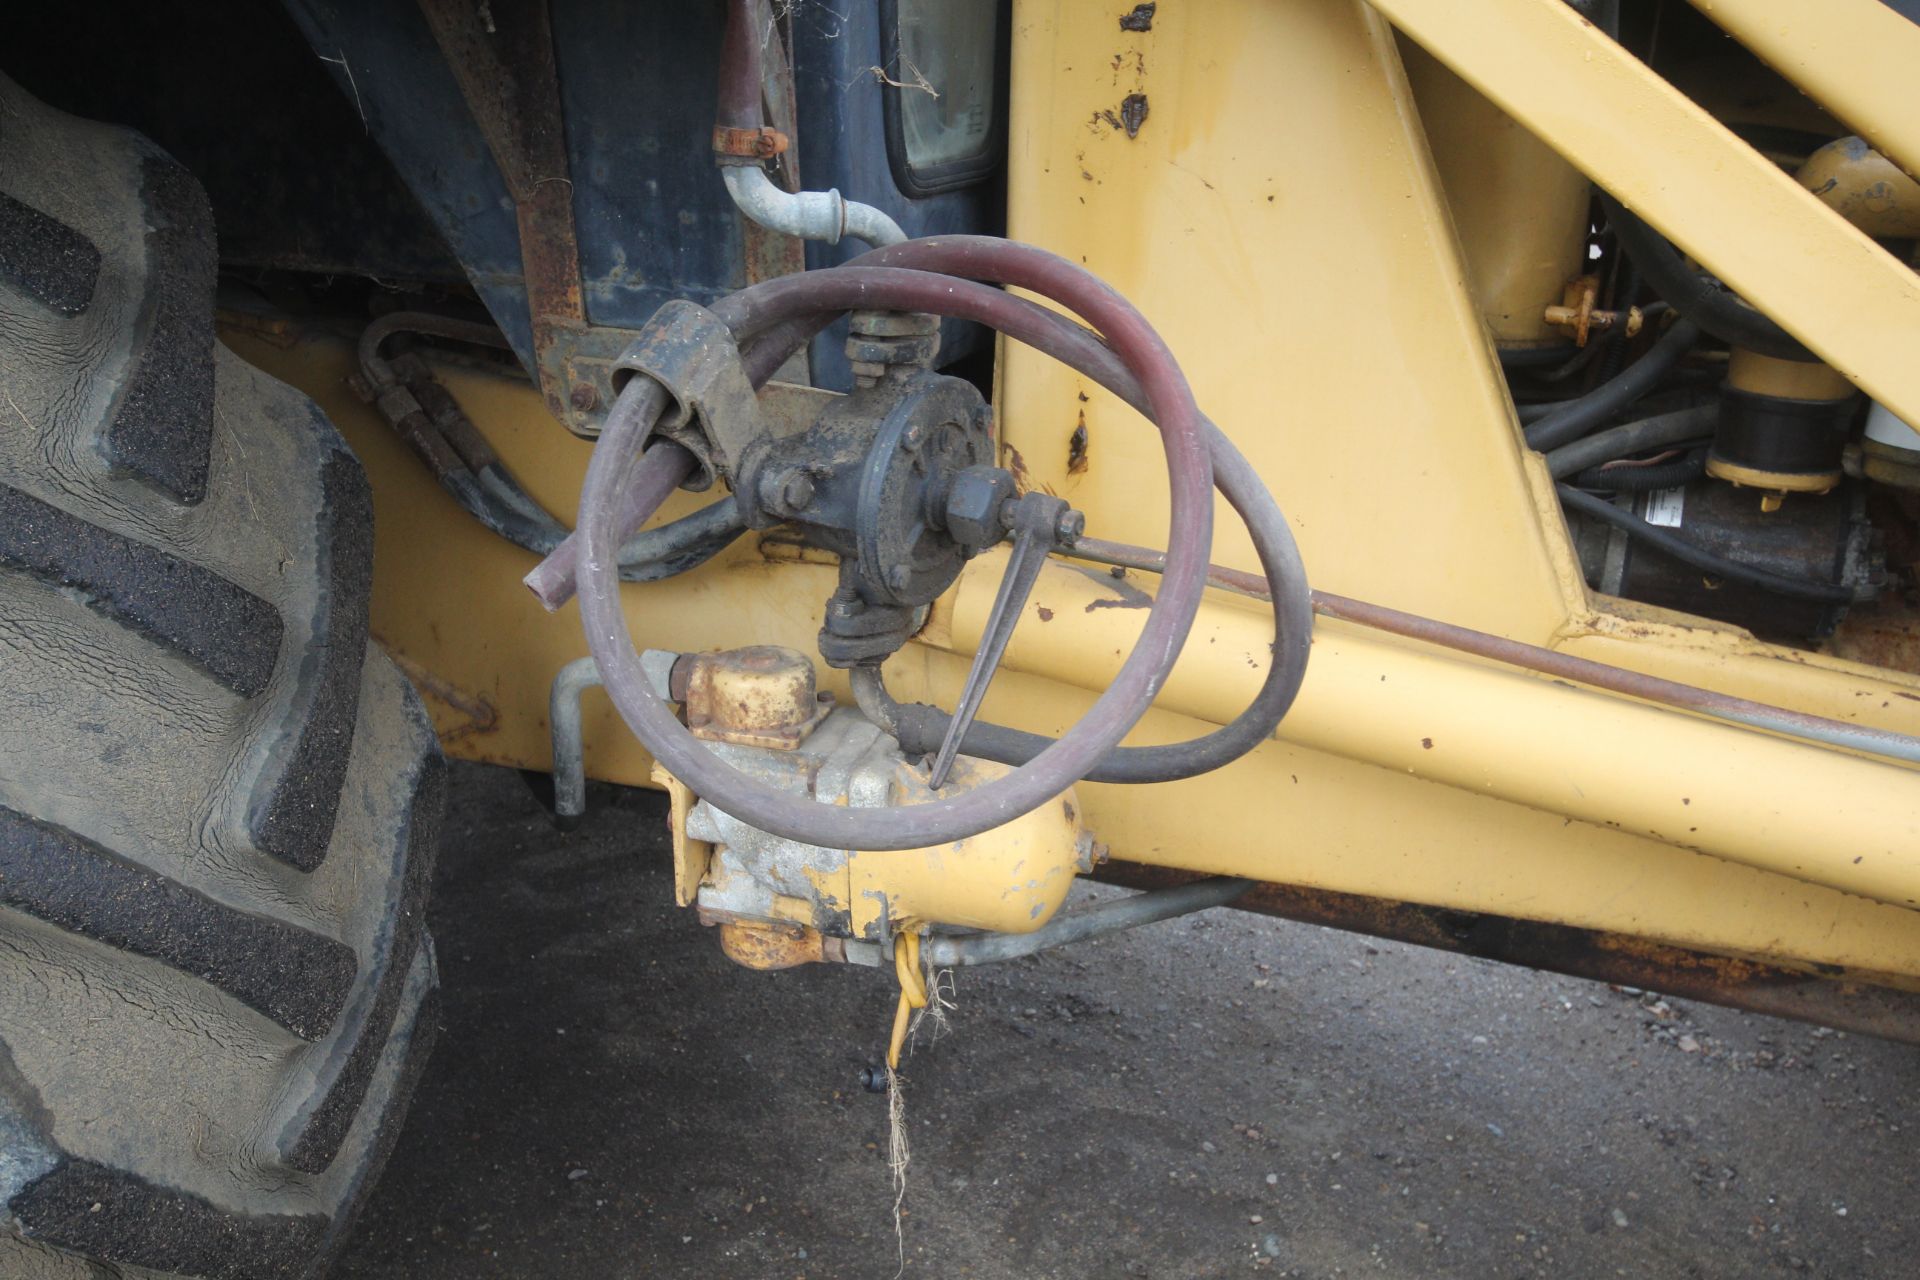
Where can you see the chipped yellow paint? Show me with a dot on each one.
(1278, 217)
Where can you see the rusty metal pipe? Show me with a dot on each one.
(1838, 999)
(1532, 657)
(1166, 903)
(739, 105)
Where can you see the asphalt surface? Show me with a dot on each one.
(1221, 1095)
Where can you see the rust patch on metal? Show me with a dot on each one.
(1133, 113)
(1077, 447)
(1826, 994)
(771, 253)
(1138, 18)
(771, 946)
(504, 65)
(482, 716)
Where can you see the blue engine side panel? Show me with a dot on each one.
(383, 57)
(637, 86)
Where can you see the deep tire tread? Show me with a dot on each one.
(264, 926)
(298, 978)
(162, 430)
(228, 632)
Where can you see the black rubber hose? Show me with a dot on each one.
(1591, 411)
(492, 496)
(1692, 384)
(1662, 475)
(1632, 437)
(1699, 557)
(1626, 287)
(1237, 481)
(1273, 543)
(620, 464)
(921, 728)
(1535, 357)
(1700, 298)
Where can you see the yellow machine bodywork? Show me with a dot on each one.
(1281, 219)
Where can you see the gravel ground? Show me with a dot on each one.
(1216, 1096)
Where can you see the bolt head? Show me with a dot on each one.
(797, 492)
(974, 503)
(899, 576)
(583, 397)
(1067, 530)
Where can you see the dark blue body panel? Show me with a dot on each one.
(637, 87)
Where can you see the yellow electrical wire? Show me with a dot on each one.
(913, 991)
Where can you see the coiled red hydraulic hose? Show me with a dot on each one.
(619, 464)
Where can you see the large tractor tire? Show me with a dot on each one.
(218, 801)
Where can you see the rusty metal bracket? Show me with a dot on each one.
(689, 351)
(769, 253)
(763, 143)
(503, 60)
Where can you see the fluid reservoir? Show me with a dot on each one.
(1520, 210)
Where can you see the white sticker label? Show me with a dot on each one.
(1664, 507)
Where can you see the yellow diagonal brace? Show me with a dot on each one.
(1673, 164)
(1856, 58)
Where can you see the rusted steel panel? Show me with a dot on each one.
(505, 67)
(1831, 997)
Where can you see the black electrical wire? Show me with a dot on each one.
(1699, 297)
(1579, 417)
(1699, 557)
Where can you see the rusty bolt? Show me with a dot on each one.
(583, 397)
(798, 491)
(1067, 530)
(786, 490)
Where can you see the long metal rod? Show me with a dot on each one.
(1079, 926)
(1757, 715)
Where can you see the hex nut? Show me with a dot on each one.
(974, 500)
(786, 491)
(797, 492)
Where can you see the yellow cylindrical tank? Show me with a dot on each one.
(1519, 209)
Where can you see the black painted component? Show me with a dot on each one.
(1781, 436)
(869, 481)
(1817, 537)
(231, 89)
